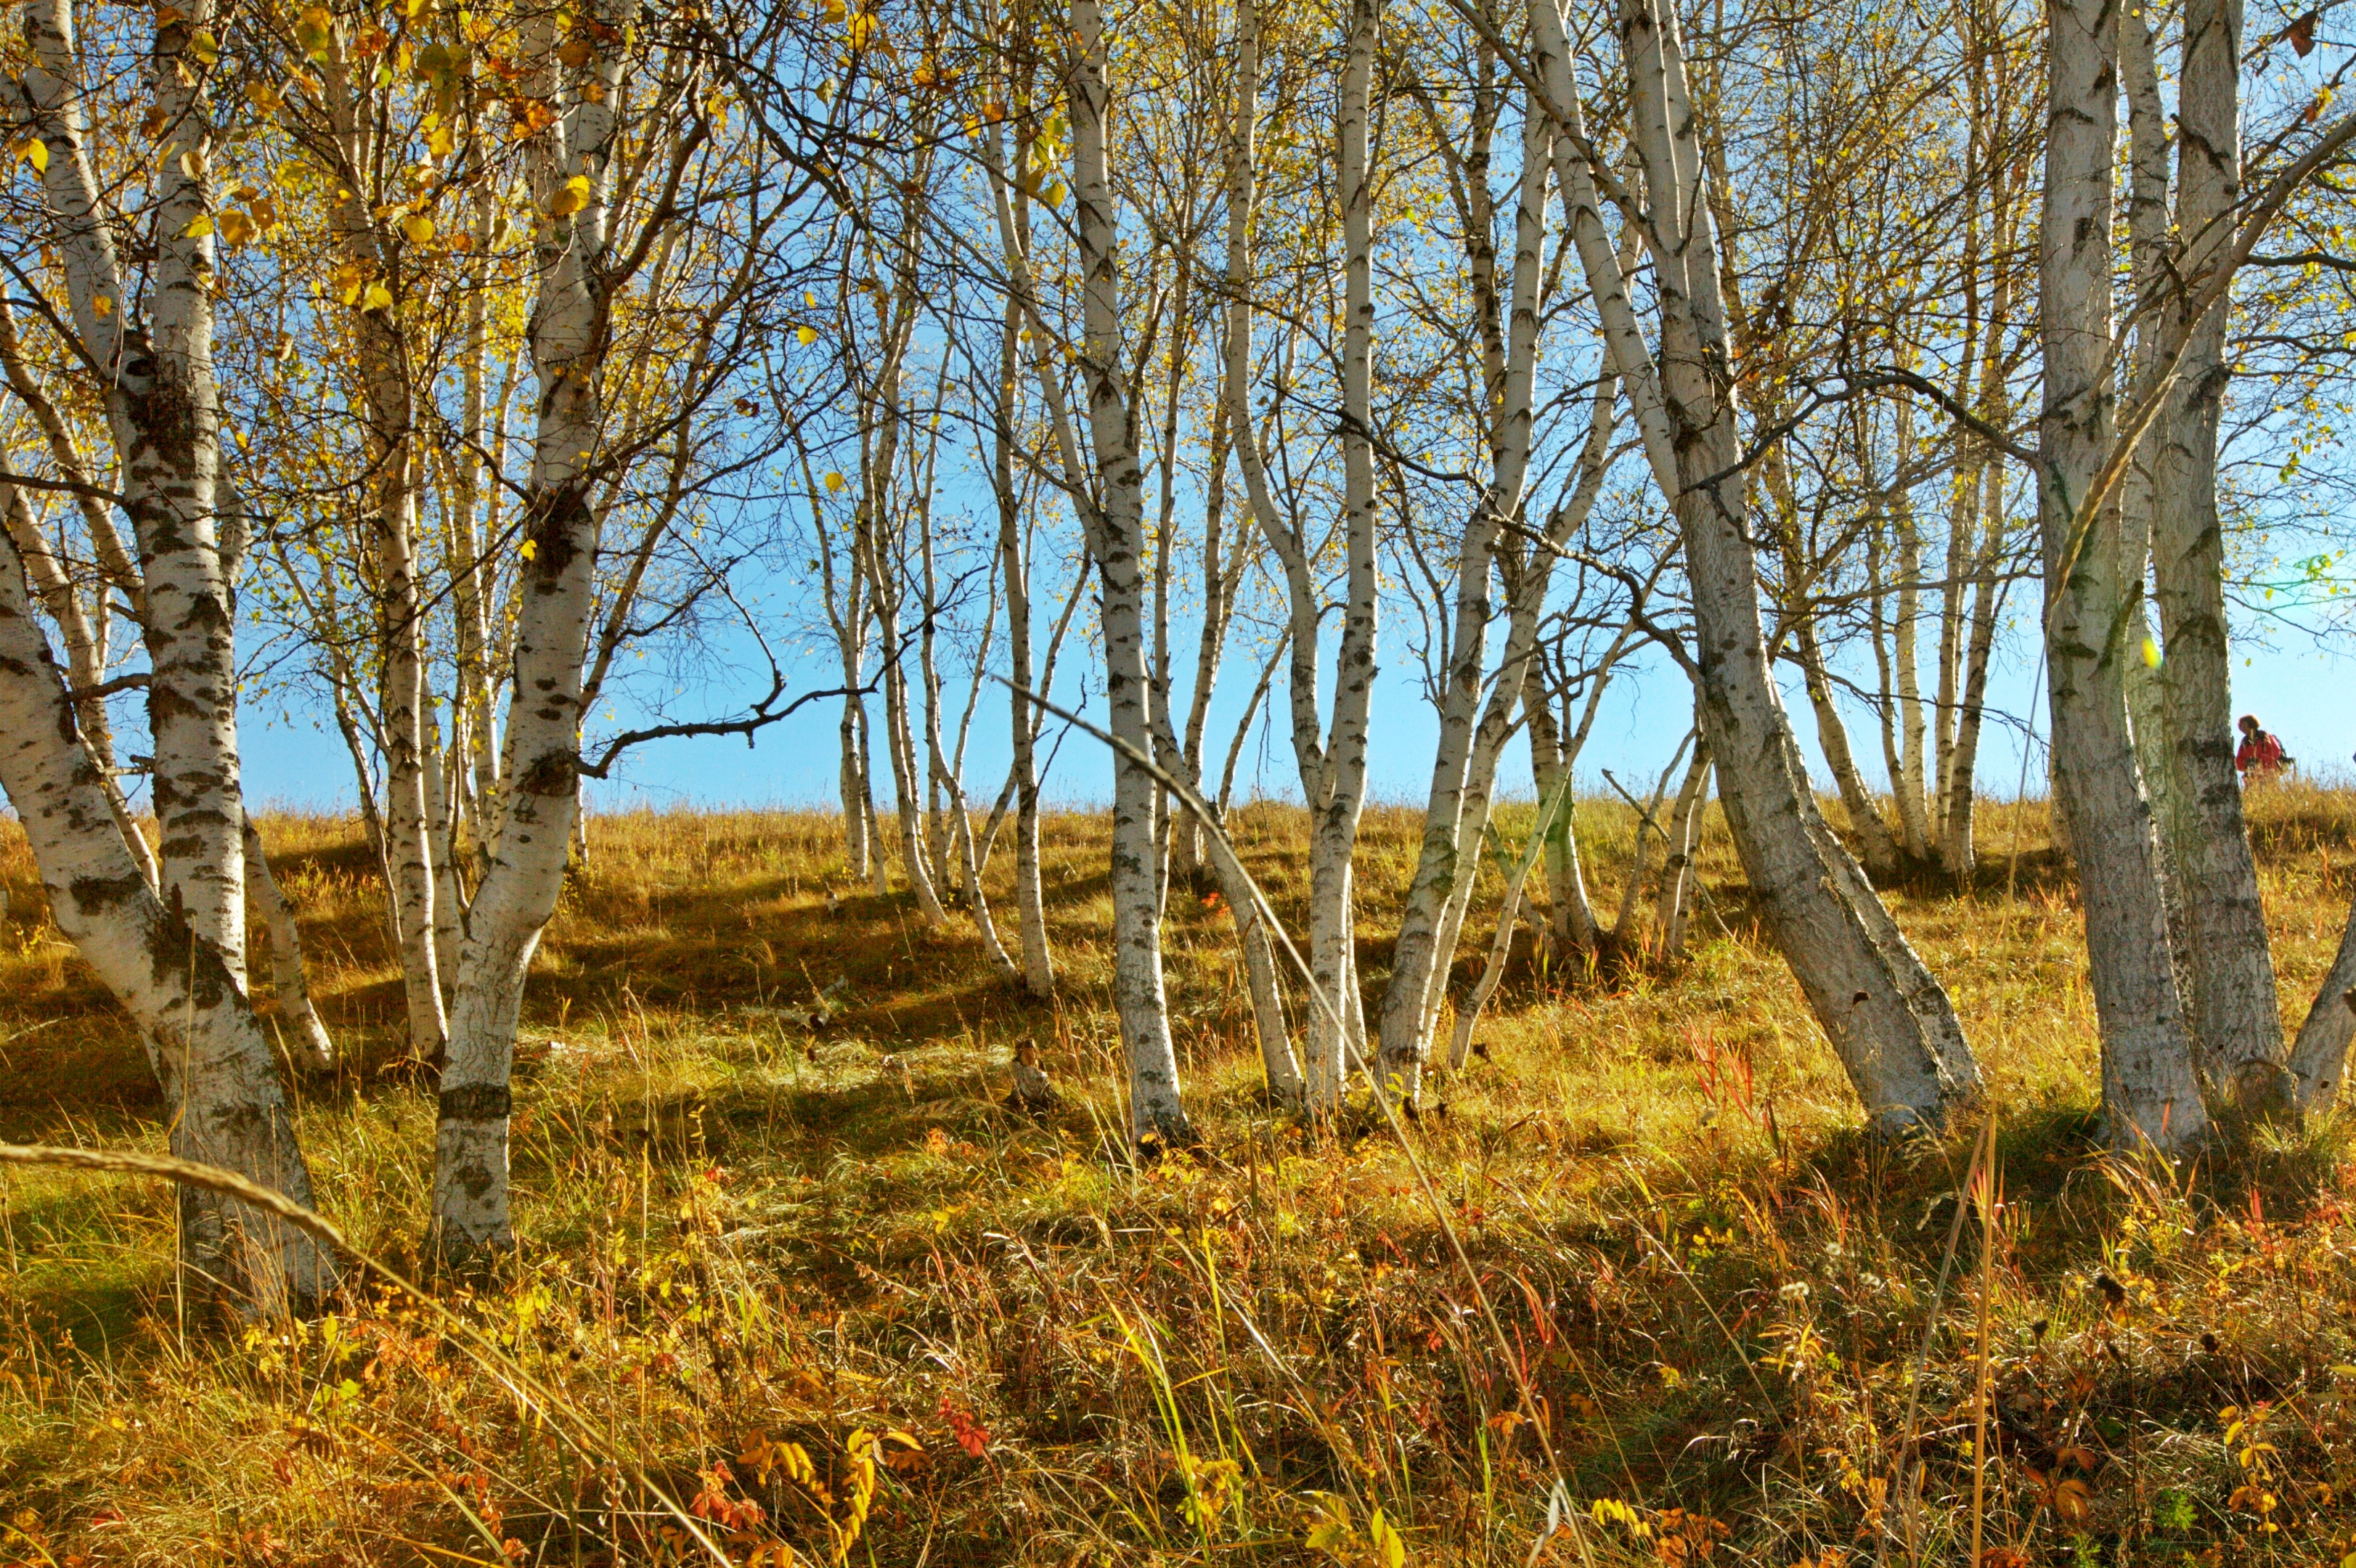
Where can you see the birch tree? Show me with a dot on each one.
(171, 946)
(1888, 1021)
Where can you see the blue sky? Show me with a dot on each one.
(2303, 687)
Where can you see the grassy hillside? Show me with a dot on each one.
(777, 1270)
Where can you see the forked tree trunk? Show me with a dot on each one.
(204, 1041)
(174, 958)
(524, 874)
(1572, 917)
(1669, 909)
(1451, 833)
(1958, 851)
(2149, 1089)
(1888, 1020)
(1910, 781)
(2233, 1006)
(1332, 771)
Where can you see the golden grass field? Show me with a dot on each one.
(824, 1291)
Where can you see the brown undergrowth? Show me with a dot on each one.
(830, 1292)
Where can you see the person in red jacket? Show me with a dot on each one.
(2261, 757)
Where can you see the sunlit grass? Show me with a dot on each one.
(743, 1235)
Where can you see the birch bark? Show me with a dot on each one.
(204, 1041)
(1451, 834)
(2234, 1007)
(1333, 770)
(569, 334)
(1031, 908)
(175, 957)
(1890, 1022)
(2150, 1091)
(1156, 1109)
(314, 1048)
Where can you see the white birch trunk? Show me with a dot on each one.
(1030, 897)
(1888, 1020)
(2318, 1060)
(176, 959)
(1911, 781)
(1450, 838)
(1157, 1111)
(569, 332)
(204, 1041)
(2233, 1006)
(1677, 869)
(2149, 1090)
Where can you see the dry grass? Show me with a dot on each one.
(748, 1243)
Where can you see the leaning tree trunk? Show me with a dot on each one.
(2319, 1058)
(1888, 1020)
(313, 1046)
(2233, 1004)
(2149, 1089)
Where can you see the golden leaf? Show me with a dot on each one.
(102, 307)
(198, 227)
(576, 51)
(235, 226)
(417, 228)
(315, 31)
(36, 152)
(572, 198)
(808, 335)
(377, 297)
(834, 481)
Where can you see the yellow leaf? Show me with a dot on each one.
(834, 481)
(808, 335)
(36, 152)
(377, 297)
(205, 46)
(192, 166)
(315, 31)
(440, 140)
(418, 227)
(2151, 655)
(417, 10)
(572, 198)
(102, 307)
(198, 227)
(235, 226)
(1053, 195)
(575, 52)
(1388, 1548)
